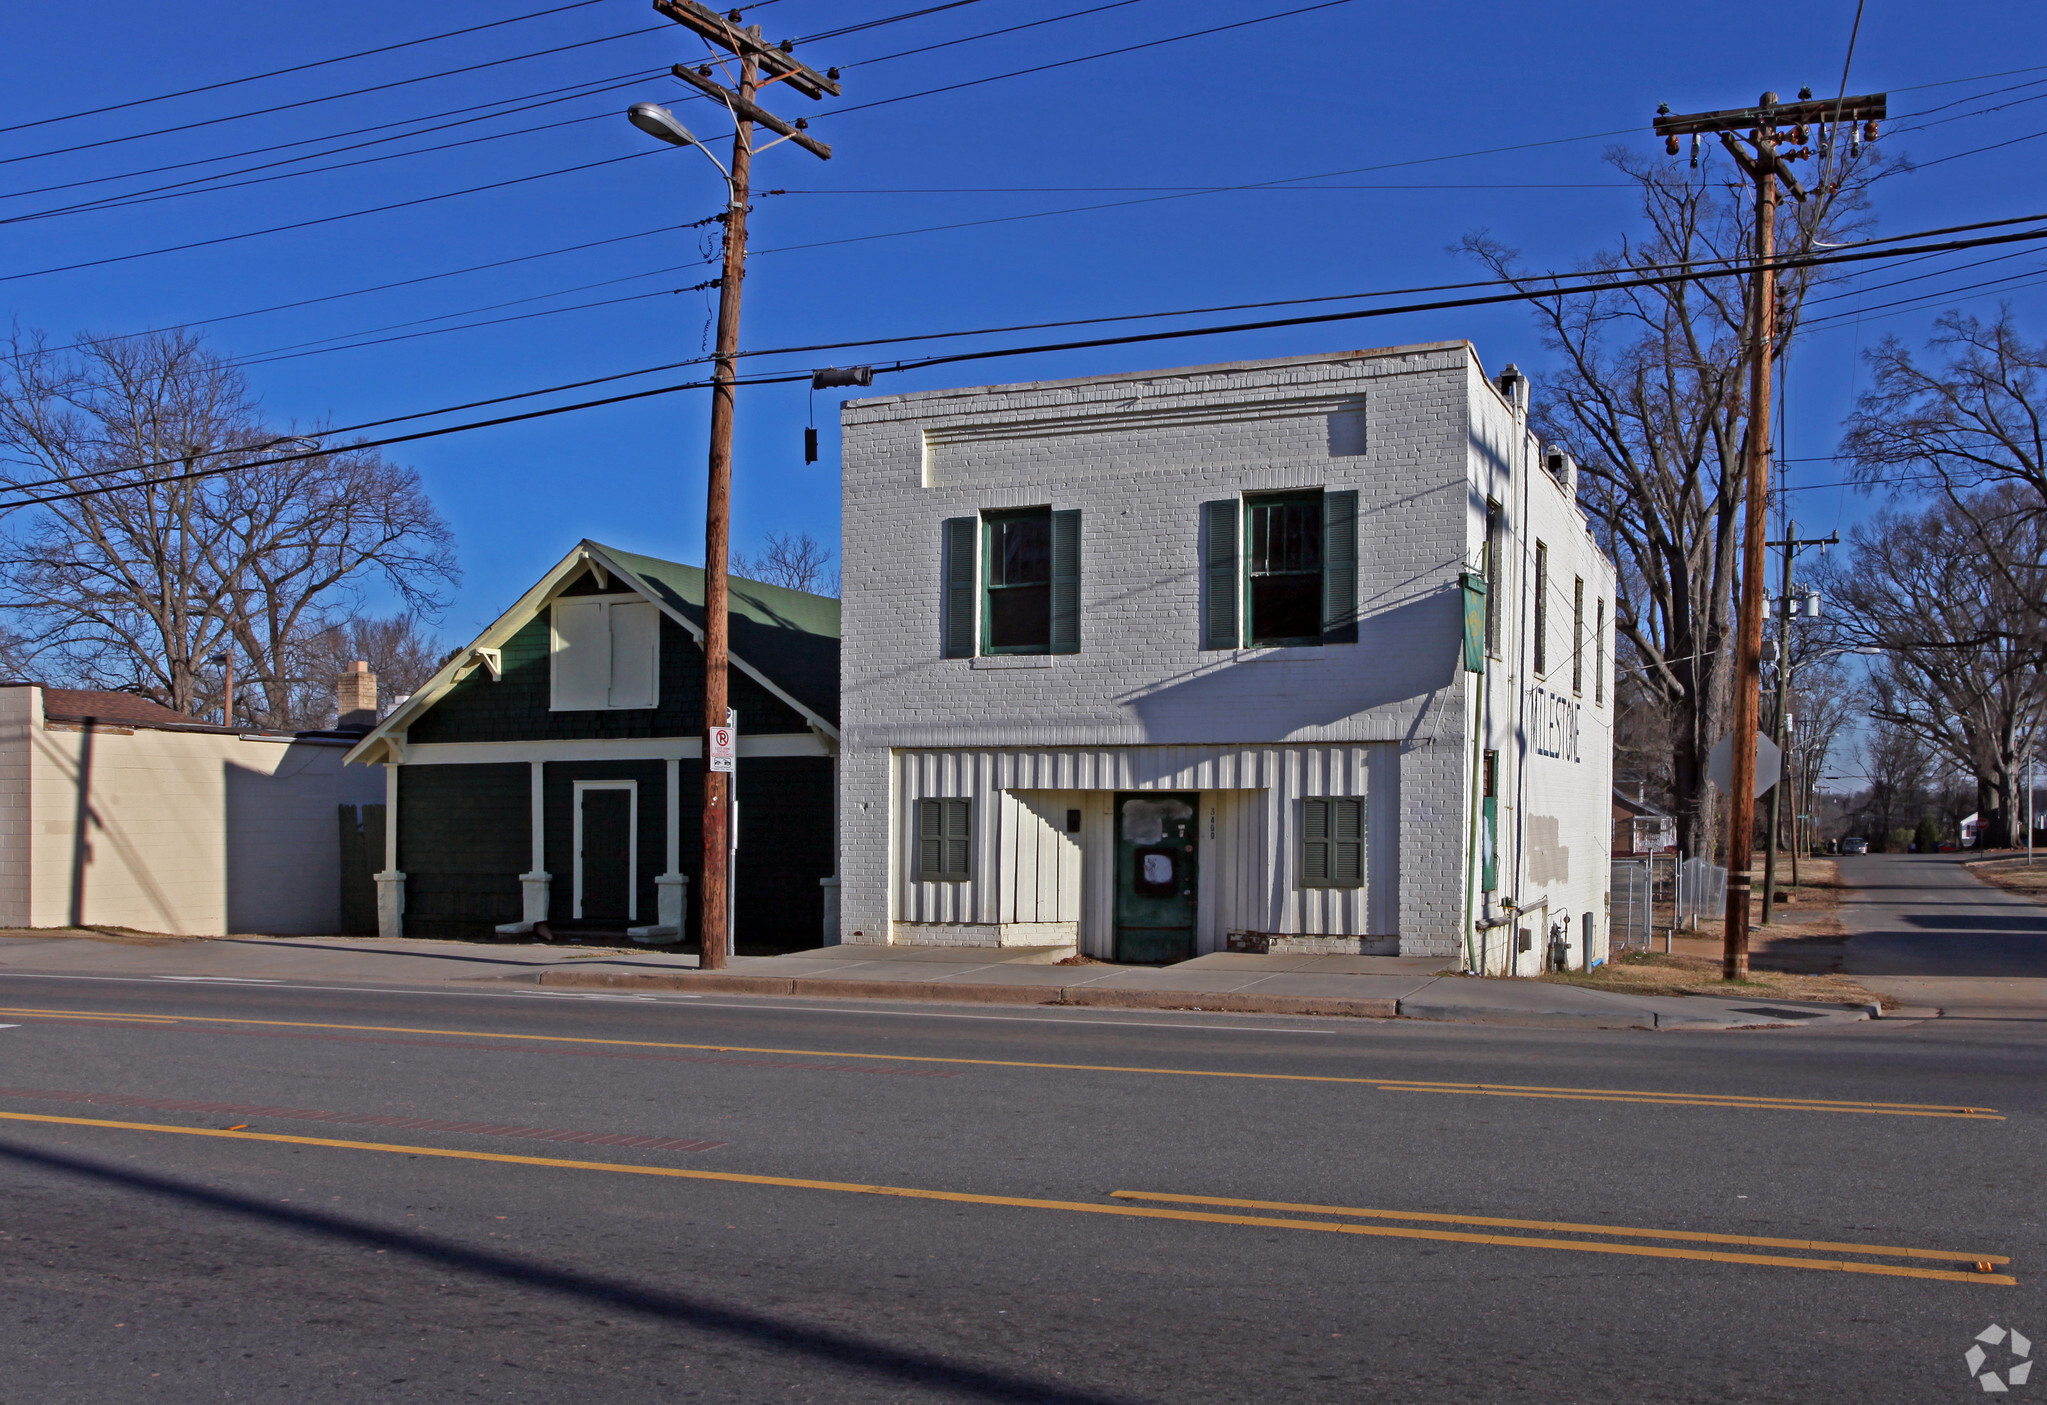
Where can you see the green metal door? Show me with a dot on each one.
(1155, 877)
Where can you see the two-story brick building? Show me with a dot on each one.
(1307, 654)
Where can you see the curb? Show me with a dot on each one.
(929, 992)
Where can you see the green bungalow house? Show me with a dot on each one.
(550, 776)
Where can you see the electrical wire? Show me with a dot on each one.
(1838, 256)
(377, 443)
(323, 219)
(1083, 58)
(876, 24)
(329, 97)
(497, 107)
(988, 34)
(380, 287)
(129, 201)
(295, 68)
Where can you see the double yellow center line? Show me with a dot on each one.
(1385, 1085)
(1124, 1210)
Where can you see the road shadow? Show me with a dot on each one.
(674, 1309)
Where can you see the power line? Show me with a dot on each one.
(377, 443)
(295, 68)
(382, 287)
(212, 185)
(989, 34)
(892, 19)
(323, 219)
(503, 107)
(1839, 256)
(330, 97)
(1083, 58)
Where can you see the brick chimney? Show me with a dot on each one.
(355, 698)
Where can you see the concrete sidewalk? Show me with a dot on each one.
(1380, 987)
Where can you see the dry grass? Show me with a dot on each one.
(2014, 876)
(1686, 973)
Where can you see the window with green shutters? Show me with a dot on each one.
(945, 841)
(1011, 583)
(1280, 569)
(1333, 842)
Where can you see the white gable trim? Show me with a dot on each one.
(385, 743)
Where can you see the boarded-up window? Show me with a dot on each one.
(605, 653)
(1333, 842)
(945, 834)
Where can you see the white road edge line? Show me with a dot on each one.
(703, 1002)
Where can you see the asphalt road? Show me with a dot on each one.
(1923, 915)
(859, 1203)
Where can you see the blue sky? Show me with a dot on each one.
(1372, 89)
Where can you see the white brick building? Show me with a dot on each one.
(1176, 662)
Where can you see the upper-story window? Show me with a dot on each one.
(1280, 569)
(1541, 628)
(1283, 570)
(1017, 560)
(604, 652)
(1011, 583)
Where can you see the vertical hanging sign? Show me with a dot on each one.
(1474, 622)
(724, 747)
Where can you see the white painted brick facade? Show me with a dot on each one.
(1423, 438)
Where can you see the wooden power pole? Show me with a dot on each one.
(1765, 165)
(760, 64)
(1780, 728)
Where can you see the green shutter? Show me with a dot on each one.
(959, 833)
(1314, 843)
(1333, 843)
(961, 586)
(1340, 568)
(1219, 628)
(1066, 582)
(945, 832)
(1489, 870)
(1347, 843)
(930, 838)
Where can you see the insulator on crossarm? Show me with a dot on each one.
(1670, 145)
(1695, 151)
(1869, 132)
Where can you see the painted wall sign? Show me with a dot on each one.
(1553, 724)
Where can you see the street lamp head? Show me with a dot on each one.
(658, 121)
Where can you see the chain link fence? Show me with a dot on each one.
(1661, 893)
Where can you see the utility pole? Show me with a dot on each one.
(1765, 166)
(1779, 730)
(756, 58)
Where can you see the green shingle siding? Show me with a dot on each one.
(515, 708)
(460, 859)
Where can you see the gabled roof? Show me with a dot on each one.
(786, 640)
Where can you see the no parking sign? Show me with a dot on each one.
(724, 747)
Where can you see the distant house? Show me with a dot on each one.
(1641, 828)
(117, 812)
(550, 776)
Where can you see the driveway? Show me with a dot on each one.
(1923, 928)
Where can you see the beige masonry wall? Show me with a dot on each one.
(190, 833)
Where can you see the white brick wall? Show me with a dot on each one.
(1415, 431)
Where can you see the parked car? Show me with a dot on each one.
(1854, 846)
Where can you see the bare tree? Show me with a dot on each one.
(1899, 768)
(153, 537)
(1977, 419)
(1650, 397)
(1935, 591)
(799, 562)
(1823, 701)
(399, 649)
